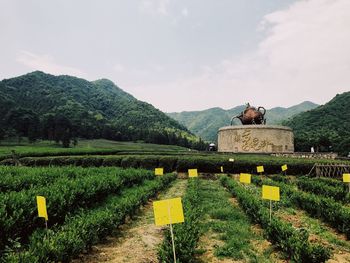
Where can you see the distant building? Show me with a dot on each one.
(212, 147)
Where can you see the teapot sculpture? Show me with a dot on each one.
(251, 115)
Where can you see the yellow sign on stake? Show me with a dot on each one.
(245, 178)
(192, 173)
(158, 171)
(168, 211)
(346, 178)
(284, 168)
(222, 169)
(231, 160)
(41, 203)
(271, 192)
(260, 169)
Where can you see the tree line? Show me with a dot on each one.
(58, 127)
(64, 108)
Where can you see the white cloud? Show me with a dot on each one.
(118, 68)
(184, 12)
(303, 56)
(155, 7)
(46, 63)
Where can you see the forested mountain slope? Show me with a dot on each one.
(40, 105)
(326, 127)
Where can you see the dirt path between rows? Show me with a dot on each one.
(210, 240)
(137, 240)
(340, 253)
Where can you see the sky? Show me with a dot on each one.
(184, 55)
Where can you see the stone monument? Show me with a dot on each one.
(254, 136)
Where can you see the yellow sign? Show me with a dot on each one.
(158, 171)
(271, 192)
(222, 169)
(260, 169)
(168, 211)
(192, 173)
(284, 168)
(41, 202)
(231, 160)
(346, 178)
(245, 178)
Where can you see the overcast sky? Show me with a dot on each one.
(186, 54)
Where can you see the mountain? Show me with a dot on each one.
(40, 105)
(326, 127)
(207, 122)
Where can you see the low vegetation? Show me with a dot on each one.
(86, 227)
(325, 208)
(210, 163)
(290, 240)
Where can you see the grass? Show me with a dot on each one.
(226, 222)
(84, 146)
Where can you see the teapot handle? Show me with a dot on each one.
(264, 110)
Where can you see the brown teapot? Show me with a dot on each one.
(251, 115)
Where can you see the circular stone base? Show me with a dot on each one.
(255, 139)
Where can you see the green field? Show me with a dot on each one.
(83, 147)
(95, 191)
(224, 219)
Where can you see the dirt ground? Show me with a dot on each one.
(137, 240)
(340, 254)
(210, 240)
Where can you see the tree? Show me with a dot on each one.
(63, 130)
(25, 122)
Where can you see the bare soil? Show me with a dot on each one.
(209, 241)
(137, 240)
(340, 253)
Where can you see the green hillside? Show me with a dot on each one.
(326, 127)
(61, 108)
(207, 122)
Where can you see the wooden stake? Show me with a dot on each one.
(172, 234)
(172, 241)
(270, 210)
(46, 224)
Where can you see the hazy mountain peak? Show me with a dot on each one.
(206, 123)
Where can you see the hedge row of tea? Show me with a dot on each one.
(180, 163)
(326, 208)
(20, 178)
(87, 227)
(292, 241)
(103, 152)
(186, 234)
(67, 190)
(320, 187)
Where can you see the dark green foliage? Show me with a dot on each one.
(18, 215)
(321, 188)
(187, 233)
(63, 108)
(331, 182)
(326, 128)
(325, 208)
(204, 163)
(86, 227)
(22, 178)
(290, 240)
